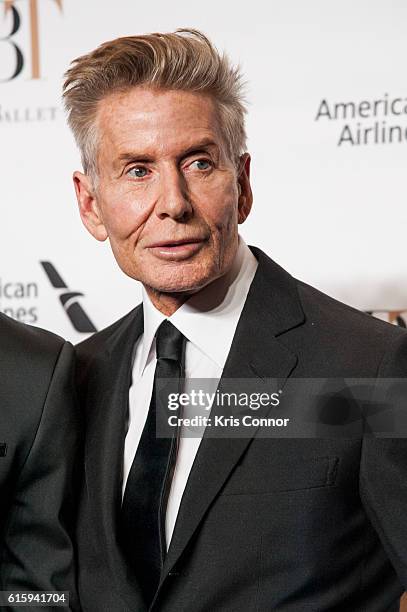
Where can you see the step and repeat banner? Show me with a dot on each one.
(327, 125)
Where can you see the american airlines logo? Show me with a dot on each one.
(69, 300)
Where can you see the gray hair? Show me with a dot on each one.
(183, 60)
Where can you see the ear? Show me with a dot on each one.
(89, 209)
(245, 191)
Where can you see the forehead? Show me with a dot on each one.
(156, 120)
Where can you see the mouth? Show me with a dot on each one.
(173, 243)
(177, 250)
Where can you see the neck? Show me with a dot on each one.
(167, 303)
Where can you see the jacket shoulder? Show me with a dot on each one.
(28, 361)
(21, 342)
(95, 344)
(349, 341)
(321, 308)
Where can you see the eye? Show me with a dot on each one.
(201, 164)
(138, 172)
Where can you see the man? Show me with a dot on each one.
(39, 449)
(175, 524)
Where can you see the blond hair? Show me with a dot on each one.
(183, 60)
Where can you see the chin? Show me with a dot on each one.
(177, 285)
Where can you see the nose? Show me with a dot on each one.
(173, 200)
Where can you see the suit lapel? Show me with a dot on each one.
(272, 307)
(108, 402)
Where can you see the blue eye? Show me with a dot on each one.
(138, 172)
(202, 164)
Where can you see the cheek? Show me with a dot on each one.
(124, 214)
(225, 217)
(220, 208)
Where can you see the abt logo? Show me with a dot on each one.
(16, 57)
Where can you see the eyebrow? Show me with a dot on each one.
(144, 158)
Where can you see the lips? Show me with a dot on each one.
(177, 250)
(174, 243)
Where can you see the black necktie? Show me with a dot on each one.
(148, 484)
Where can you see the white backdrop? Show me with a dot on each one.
(330, 211)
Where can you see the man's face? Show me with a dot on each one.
(168, 198)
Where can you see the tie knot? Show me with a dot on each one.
(169, 342)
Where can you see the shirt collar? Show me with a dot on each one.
(209, 318)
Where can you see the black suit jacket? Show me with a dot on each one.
(264, 524)
(39, 446)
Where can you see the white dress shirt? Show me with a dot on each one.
(208, 321)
